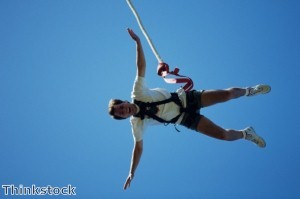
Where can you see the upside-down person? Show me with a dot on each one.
(150, 106)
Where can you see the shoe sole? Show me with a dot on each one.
(264, 88)
(261, 142)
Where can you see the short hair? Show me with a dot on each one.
(111, 109)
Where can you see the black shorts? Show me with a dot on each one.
(193, 103)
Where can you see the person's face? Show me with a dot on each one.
(125, 110)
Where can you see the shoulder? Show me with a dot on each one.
(139, 82)
(139, 87)
(139, 79)
(137, 127)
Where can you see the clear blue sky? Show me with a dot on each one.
(61, 61)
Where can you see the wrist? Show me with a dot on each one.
(138, 41)
(131, 175)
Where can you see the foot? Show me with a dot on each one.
(253, 137)
(258, 89)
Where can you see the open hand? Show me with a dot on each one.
(133, 35)
(128, 181)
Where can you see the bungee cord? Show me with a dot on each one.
(163, 68)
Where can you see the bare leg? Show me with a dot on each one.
(207, 127)
(211, 97)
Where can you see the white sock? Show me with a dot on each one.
(244, 134)
(247, 91)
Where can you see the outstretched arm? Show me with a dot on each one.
(140, 58)
(136, 156)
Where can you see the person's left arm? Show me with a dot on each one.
(136, 156)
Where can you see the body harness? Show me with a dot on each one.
(150, 109)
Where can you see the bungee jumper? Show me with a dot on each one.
(159, 106)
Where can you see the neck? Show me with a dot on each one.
(137, 109)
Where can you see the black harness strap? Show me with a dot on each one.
(150, 109)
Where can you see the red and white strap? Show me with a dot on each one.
(163, 70)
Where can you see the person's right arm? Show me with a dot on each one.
(140, 57)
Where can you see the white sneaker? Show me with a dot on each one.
(258, 89)
(253, 137)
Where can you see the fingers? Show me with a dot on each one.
(132, 34)
(125, 186)
(127, 183)
(130, 31)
